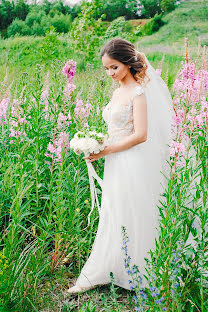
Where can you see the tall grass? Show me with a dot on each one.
(44, 204)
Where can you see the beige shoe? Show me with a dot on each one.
(77, 289)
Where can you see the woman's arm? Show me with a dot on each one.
(139, 135)
(140, 127)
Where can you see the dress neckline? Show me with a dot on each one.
(132, 87)
(129, 101)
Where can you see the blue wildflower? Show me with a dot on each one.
(154, 277)
(164, 309)
(157, 301)
(135, 298)
(176, 285)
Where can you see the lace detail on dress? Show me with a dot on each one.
(119, 117)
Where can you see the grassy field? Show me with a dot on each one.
(44, 206)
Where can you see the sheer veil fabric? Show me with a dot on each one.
(131, 186)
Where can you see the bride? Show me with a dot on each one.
(139, 118)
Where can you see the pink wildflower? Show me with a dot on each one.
(177, 148)
(69, 69)
(69, 88)
(3, 108)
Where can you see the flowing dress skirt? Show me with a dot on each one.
(130, 194)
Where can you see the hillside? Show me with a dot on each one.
(188, 20)
(164, 48)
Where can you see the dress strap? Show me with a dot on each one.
(138, 90)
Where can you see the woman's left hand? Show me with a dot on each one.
(94, 157)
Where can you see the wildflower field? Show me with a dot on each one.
(45, 195)
(50, 88)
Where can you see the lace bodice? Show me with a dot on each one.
(119, 116)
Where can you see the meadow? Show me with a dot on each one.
(45, 194)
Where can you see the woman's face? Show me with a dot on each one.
(114, 68)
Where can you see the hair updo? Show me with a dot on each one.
(125, 52)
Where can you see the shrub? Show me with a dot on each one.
(62, 23)
(49, 45)
(37, 30)
(34, 16)
(167, 5)
(18, 27)
(86, 34)
(150, 7)
(153, 26)
(119, 27)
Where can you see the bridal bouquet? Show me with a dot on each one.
(88, 142)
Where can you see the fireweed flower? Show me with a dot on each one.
(191, 108)
(64, 120)
(69, 69)
(60, 145)
(82, 112)
(3, 109)
(17, 121)
(68, 90)
(44, 100)
(177, 148)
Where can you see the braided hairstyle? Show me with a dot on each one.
(125, 52)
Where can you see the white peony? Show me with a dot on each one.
(87, 144)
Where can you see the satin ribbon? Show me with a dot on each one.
(93, 175)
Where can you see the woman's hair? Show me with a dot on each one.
(125, 52)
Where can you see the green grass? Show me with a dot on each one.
(24, 166)
(188, 20)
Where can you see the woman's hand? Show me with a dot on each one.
(101, 154)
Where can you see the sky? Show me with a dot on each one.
(72, 1)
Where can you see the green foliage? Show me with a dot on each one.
(167, 5)
(86, 32)
(153, 26)
(150, 8)
(35, 15)
(119, 27)
(18, 27)
(49, 46)
(115, 8)
(37, 29)
(6, 15)
(62, 23)
(21, 9)
(38, 23)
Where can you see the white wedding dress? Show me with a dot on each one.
(130, 192)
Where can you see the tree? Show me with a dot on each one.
(150, 8)
(167, 5)
(6, 13)
(21, 9)
(18, 27)
(87, 32)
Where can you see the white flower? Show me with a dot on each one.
(88, 144)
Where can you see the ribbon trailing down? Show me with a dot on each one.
(93, 175)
